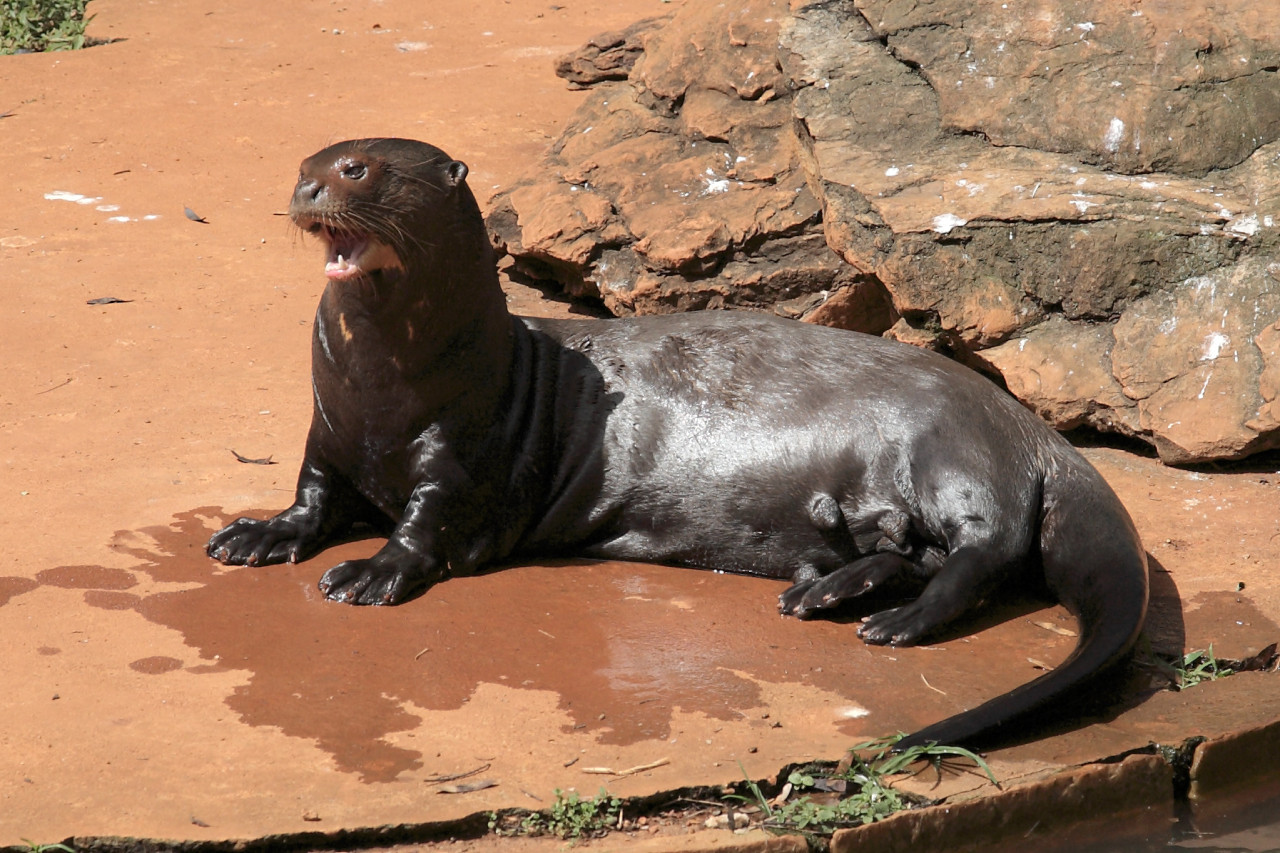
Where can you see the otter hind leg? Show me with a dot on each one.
(825, 513)
(965, 580)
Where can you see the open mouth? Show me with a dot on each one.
(351, 254)
(347, 253)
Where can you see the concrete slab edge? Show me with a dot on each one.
(1141, 792)
(473, 827)
(1137, 784)
(1144, 788)
(1232, 761)
(701, 841)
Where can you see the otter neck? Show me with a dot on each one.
(394, 325)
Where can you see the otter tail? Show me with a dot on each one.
(1095, 565)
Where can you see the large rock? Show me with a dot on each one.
(1180, 86)
(682, 188)
(1081, 197)
(1192, 369)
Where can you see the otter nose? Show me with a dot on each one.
(307, 191)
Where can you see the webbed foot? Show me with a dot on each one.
(381, 579)
(899, 626)
(858, 578)
(251, 542)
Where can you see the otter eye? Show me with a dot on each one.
(354, 171)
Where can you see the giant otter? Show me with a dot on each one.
(732, 441)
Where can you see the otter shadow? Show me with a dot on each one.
(1125, 687)
(1107, 696)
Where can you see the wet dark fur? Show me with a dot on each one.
(735, 441)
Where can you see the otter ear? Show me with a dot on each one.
(456, 172)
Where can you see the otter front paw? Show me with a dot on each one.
(900, 626)
(250, 542)
(377, 580)
(861, 576)
(791, 601)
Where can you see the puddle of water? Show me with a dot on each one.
(623, 646)
(157, 665)
(1243, 822)
(1231, 622)
(13, 587)
(87, 577)
(108, 600)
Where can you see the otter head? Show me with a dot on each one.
(381, 205)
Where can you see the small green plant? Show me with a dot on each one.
(570, 816)
(887, 764)
(867, 800)
(36, 25)
(1195, 667)
(32, 847)
(866, 796)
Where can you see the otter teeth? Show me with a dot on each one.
(340, 267)
(353, 256)
(343, 264)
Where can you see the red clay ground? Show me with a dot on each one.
(150, 692)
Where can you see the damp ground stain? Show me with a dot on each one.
(623, 646)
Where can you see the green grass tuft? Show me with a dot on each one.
(570, 816)
(864, 795)
(32, 847)
(1195, 667)
(28, 26)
